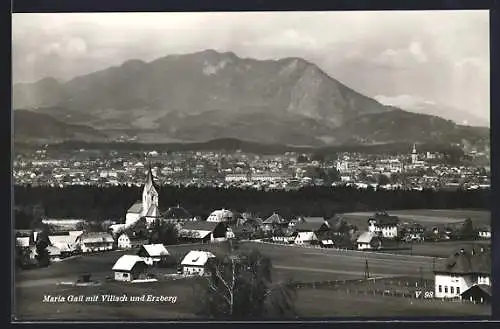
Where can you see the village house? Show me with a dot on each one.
(25, 238)
(95, 241)
(128, 241)
(222, 215)
(202, 231)
(484, 232)
(368, 241)
(65, 241)
(466, 274)
(384, 225)
(273, 222)
(196, 262)
(153, 253)
(129, 268)
(177, 215)
(305, 238)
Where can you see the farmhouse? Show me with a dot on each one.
(222, 215)
(368, 241)
(25, 238)
(468, 268)
(327, 243)
(274, 221)
(129, 268)
(384, 225)
(95, 241)
(195, 262)
(306, 238)
(65, 242)
(54, 253)
(153, 253)
(126, 241)
(177, 215)
(203, 231)
(484, 232)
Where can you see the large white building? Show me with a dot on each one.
(221, 215)
(465, 271)
(148, 207)
(384, 225)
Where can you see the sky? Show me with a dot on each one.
(401, 58)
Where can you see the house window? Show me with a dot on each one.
(452, 290)
(458, 290)
(440, 288)
(445, 289)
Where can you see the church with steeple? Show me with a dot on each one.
(148, 207)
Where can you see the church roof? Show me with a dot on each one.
(136, 208)
(152, 211)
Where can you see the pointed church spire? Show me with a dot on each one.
(149, 178)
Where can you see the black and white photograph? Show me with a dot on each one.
(251, 166)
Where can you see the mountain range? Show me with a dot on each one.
(211, 95)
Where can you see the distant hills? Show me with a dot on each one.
(208, 95)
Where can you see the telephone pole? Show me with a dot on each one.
(367, 270)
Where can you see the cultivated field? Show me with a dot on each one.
(425, 217)
(300, 264)
(437, 249)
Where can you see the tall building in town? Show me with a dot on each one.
(414, 155)
(148, 207)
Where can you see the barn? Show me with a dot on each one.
(129, 268)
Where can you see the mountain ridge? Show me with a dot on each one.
(207, 95)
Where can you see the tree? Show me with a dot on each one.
(383, 180)
(467, 231)
(165, 233)
(42, 254)
(239, 285)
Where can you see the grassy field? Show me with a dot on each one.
(438, 249)
(425, 217)
(301, 264)
(328, 303)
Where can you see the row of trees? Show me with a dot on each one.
(100, 203)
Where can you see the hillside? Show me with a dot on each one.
(210, 95)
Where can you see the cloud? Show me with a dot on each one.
(404, 101)
(376, 53)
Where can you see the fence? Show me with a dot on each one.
(362, 287)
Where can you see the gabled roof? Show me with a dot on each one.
(384, 219)
(366, 237)
(153, 211)
(127, 263)
(484, 287)
(136, 208)
(469, 260)
(156, 250)
(274, 219)
(200, 225)
(306, 236)
(197, 258)
(176, 213)
(93, 237)
(309, 226)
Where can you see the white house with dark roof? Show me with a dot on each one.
(384, 225)
(368, 241)
(126, 241)
(129, 268)
(153, 253)
(148, 206)
(195, 262)
(202, 231)
(305, 238)
(95, 241)
(222, 215)
(466, 269)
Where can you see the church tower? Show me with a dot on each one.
(414, 155)
(149, 196)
